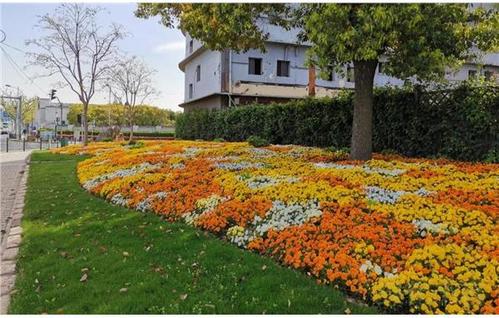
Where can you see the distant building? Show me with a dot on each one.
(216, 79)
(49, 114)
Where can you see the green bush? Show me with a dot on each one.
(461, 123)
(256, 141)
(153, 134)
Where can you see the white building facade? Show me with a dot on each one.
(215, 80)
(49, 114)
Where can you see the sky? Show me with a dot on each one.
(161, 48)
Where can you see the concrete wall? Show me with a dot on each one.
(210, 102)
(298, 74)
(210, 75)
(195, 45)
(462, 74)
(47, 113)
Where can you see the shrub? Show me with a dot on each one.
(256, 141)
(154, 134)
(461, 123)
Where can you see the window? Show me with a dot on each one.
(330, 73)
(191, 46)
(254, 66)
(350, 74)
(190, 90)
(381, 68)
(198, 73)
(488, 75)
(282, 68)
(471, 74)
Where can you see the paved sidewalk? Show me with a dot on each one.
(12, 167)
(13, 173)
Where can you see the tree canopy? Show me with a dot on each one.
(417, 41)
(114, 115)
(222, 25)
(77, 49)
(413, 40)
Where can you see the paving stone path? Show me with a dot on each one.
(14, 174)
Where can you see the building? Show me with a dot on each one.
(51, 114)
(216, 79)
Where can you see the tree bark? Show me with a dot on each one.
(131, 120)
(84, 122)
(361, 148)
(131, 132)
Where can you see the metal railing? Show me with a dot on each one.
(14, 145)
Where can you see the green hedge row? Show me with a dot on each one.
(461, 123)
(153, 134)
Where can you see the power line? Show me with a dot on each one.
(20, 70)
(13, 47)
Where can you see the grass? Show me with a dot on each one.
(138, 263)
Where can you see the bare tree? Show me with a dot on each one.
(76, 49)
(131, 83)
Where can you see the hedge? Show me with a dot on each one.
(152, 134)
(461, 123)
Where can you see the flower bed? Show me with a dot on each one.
(409, 235)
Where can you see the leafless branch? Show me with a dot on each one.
(75, 48)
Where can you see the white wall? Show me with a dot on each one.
(210, 75)
(277, 51)
(195, 45)
(47, 113)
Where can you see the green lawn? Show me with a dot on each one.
(138, 263)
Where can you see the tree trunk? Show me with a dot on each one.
(131, 132)
(84, 122)
(362, 140)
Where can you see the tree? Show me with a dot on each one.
(102, 115)
(28, 108)
(76, 49)
(114, 115)
(131, 84)
(416, 41)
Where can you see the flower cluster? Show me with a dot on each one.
(408, 235)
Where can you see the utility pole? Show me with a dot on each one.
(18, 111)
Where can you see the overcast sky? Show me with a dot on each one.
(161, 48)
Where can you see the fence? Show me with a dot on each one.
(13, 145)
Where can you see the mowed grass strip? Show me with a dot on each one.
(81, 254)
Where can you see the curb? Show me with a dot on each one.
(10, 245)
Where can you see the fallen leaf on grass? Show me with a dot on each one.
(348, 311)
(123, 290)
(183, 296)
(264, 267)
(84, 278)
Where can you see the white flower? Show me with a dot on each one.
(146, 166)
(425, 226)
(328, 165)
(233, 166)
